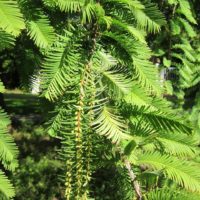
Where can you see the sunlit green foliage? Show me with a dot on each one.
(96, 68)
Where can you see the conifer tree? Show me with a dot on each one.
(109, 108)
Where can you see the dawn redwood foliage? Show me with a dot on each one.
(96, 67)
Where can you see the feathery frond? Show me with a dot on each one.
(8, 149)
(186, 10)
(6, 40)
(170, 193)
(58, 64)
(6, 187)
(139, 54)
(11, 19)
(70, 5)
(110, 125)
(178, 144)
(182, 172)
(150, 18)
(41, 32)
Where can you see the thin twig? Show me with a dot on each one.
(132, 176)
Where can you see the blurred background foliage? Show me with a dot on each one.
(36, 178)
